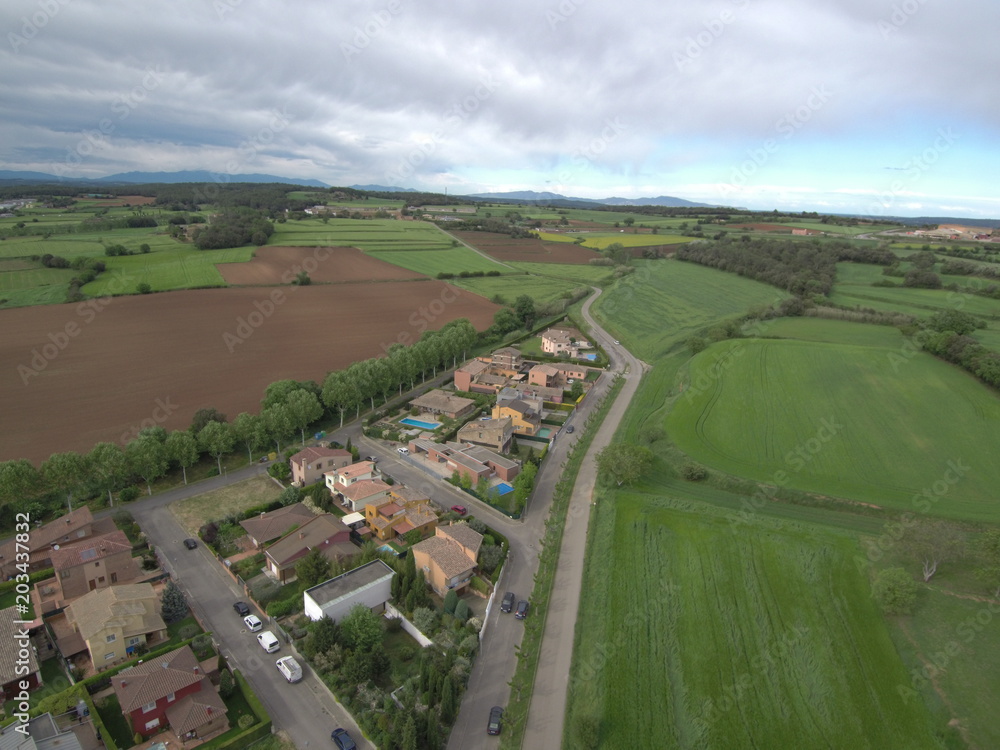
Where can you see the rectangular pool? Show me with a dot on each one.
(418, 423)
(591, 357)
(503, 488)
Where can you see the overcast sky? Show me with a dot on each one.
(870, 106)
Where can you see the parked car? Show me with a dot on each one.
(253, 623)
(617, 341)
(460, 509)
(268, 641)
(570, 430)
(522, 610)
(241, 609)
(342, 739)
(190, 543)
(403, 450)
(371, 458)
(263, 459)
(508, 602)
(495, 723)
(289, 668)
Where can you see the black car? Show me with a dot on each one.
(241, 609)
(508, 602)
(522, 610)
(190, 543)
(342, 739)
(570, 429)
(371, 458)
(495, 723)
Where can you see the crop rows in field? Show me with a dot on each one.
(601, 241)
(695, 636)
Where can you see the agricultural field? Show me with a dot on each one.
(83, 373)
(584, 274)
(666, 302)
(870, 423)
(836, 229)
(365, 234)
(431, 262)
(333, 265)
(542, 289)
(601, 241)
(555, 237)
(182, 267)
(531, 250)
(696, 636)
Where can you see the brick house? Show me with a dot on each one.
(94, 563)
(496, 434)
(449, 557)
(326, 533)
(18, 662)
(276, 523)
(171, 690)
(473, 461)
(309, 464)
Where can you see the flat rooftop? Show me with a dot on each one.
(349, 582)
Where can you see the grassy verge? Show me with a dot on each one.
(522, 684)
(194, 512)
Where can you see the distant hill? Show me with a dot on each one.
(383, 189)
(531, 196)
(145, 178)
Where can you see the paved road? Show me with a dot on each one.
(546, 713)
(306, 710)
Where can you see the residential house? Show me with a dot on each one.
(111, 623)
(465, 376)
(369, 585)
(357, 495)
(497, 434)
(72, 527)
(276, 523)
(524, 419)
(507, 361)
(389, 519)
(544, 375)
(171, 690)
(564, 342)
(310, 464)
(42, 734)
(445, 404)
(18, 661)
(94, 563)
(473, 461)
(449, 557)
(340, 478)
(327, 533)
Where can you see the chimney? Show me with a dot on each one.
(197, 669)
(124, 683)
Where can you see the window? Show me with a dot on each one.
(152, 724)
(97, 564)
(133, 641)
(100, 579)
(64, 574)
(109, 657)
(147, 708)
(114, 578)
(170, 698)
(111, 638)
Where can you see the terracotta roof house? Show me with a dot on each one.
(544, 375)
(564, 341)
(408, 496)
(93, 563)
(326, 533)
(18, 661)
(466, 375)
(388, 519)
(75, 525)
(446, 404)
(359, 494)
(497, 434)
(340, 478)
(111, 622)
(508, 360)
(171, 690)
(449, 557)
(473, 461)
(276, 523)
(309, 464)
(524, 419)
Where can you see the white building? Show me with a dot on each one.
(370, 585)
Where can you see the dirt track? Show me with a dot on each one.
(333, 265)
(74, 375)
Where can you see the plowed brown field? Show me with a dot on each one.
(502, 247)
(280, 265)
(74, 375)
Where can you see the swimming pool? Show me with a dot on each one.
(544, 432)
(418, 423)
(591, 357)
(503, 488)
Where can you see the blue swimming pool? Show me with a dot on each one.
(591, 357)
(504, 488)
(421, 424)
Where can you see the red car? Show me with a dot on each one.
(460, 509)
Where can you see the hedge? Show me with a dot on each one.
(100, 681)
(240, 738)
(40, 575)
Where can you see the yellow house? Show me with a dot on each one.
(523, 419)
(113, 621)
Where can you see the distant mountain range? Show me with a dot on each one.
(531, 196)
(145, 178)
(384, 189)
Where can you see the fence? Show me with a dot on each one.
(394, 614)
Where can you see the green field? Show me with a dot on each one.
(543, 289)
(365, 234)
(601, 241)
(855, 421)
(698, 637)
(431, 262)
(555, 237)
(835, 229)
(585, 274)
(184, 267)
(666, 302)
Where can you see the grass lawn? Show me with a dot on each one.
(195, 512)
(183, 629)
(855, 421)
(665, 302)
(114, 721)
(699, 637)
(237, 706)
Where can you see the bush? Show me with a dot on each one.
(246, 721)
(128, 494)
(282, 608)
(450, 601)
(462, 611)
(425, 619)
(226, 683)
(895, 591)
(693, 472)
(489, 558)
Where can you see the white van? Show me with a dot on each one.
(268, 641)
(289, 668)
(403, 450)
